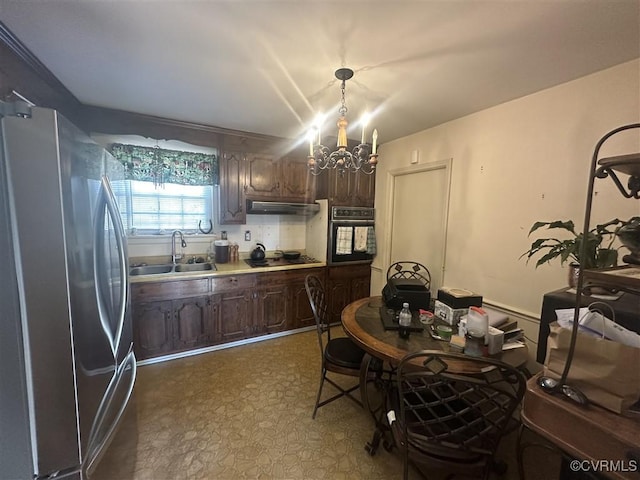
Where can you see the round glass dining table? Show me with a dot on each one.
(362, 322)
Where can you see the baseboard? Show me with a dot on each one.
(222, 346)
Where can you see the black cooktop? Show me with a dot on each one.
(273, 262)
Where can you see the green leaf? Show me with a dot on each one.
(568, 225)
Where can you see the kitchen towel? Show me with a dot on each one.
(344, 240)
(371, 241)
(360, 240)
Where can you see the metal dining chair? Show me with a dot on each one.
(339, 354)
(449, 411)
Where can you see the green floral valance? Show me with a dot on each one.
(154, 164)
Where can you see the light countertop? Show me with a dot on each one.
(232, 268)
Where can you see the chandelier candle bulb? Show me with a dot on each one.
(375, 141)
(364, 122)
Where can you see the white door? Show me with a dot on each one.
(418, 227)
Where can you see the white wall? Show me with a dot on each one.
(517, 163)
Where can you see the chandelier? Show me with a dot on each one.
(363, 158)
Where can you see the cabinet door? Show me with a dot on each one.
(271, 309)
(339, 296)
(347, 283)
(262, 176)
(153, 334)
(361, 287)
(301, 312)
(297, 183)
(193, 323)
(354, 189)
(232, 208)
(364, 189)
(236, 314)
(340, 188)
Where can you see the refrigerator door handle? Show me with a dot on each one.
(97, 446)
(107, 204)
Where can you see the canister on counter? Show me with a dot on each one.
(221, 250)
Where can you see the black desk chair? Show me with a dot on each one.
(452, 421)
(411, 270)
(339, 355)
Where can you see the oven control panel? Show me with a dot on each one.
(352, 213)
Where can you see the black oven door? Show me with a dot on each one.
(348, 243)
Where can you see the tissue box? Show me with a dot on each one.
(448, 314)
(458, 298)
(496, 340)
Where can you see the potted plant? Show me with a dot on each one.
(599, 246)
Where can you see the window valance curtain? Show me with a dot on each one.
(158, 165)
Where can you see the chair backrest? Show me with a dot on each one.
(317, 300)
(455, 403)
(412, 270)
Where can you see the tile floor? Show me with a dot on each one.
(245, 412)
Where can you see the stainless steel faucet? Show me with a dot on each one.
(176, 256)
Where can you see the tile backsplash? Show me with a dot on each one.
(275, 232)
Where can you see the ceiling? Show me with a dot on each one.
(267, 66)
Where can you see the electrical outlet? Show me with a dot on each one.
(247, 236)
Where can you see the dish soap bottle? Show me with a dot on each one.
(404, 321)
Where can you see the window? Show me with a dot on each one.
(165, 190)
(151, 209)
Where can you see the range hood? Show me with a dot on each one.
(281, 208)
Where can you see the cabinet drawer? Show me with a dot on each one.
(232, 283)
(141, 292)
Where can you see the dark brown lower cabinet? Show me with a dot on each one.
(272, 310)
(300, 309)
(346, 284)
(163, 327)
(193, 323)
(175, 316)
(153, 329)
(236, 312)
(301, 312)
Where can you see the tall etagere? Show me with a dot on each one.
(624, 278)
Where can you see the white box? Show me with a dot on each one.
(495, 318)
(496, 340)
(448, 314)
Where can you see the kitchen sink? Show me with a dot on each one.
(182, 267)
(194, 267)
(151, 269)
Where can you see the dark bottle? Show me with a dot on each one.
(404, 321)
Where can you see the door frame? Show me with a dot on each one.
(392, 175)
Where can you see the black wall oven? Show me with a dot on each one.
(351, 235)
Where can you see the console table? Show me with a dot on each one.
(588, 433)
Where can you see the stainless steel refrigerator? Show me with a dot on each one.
(67, 367)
